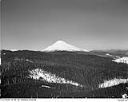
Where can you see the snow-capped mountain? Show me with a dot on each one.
(121, 60)
(63, 46)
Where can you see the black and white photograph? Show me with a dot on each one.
(64, 49)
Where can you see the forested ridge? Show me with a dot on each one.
(85, 68)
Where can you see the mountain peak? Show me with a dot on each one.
(62, 46)
(60, 42)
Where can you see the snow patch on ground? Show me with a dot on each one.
(125, 96)
(121, 60)
(51, 78)
(0, 61)
(4, 53)
(112, 82)
(108, 54)
(45, 86)
(29, 60)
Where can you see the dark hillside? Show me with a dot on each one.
(120, 53)
(85, 68)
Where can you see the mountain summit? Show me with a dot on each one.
(62, 46)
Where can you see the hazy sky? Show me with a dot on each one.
(89, 24)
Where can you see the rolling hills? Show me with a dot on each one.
(52, 74)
